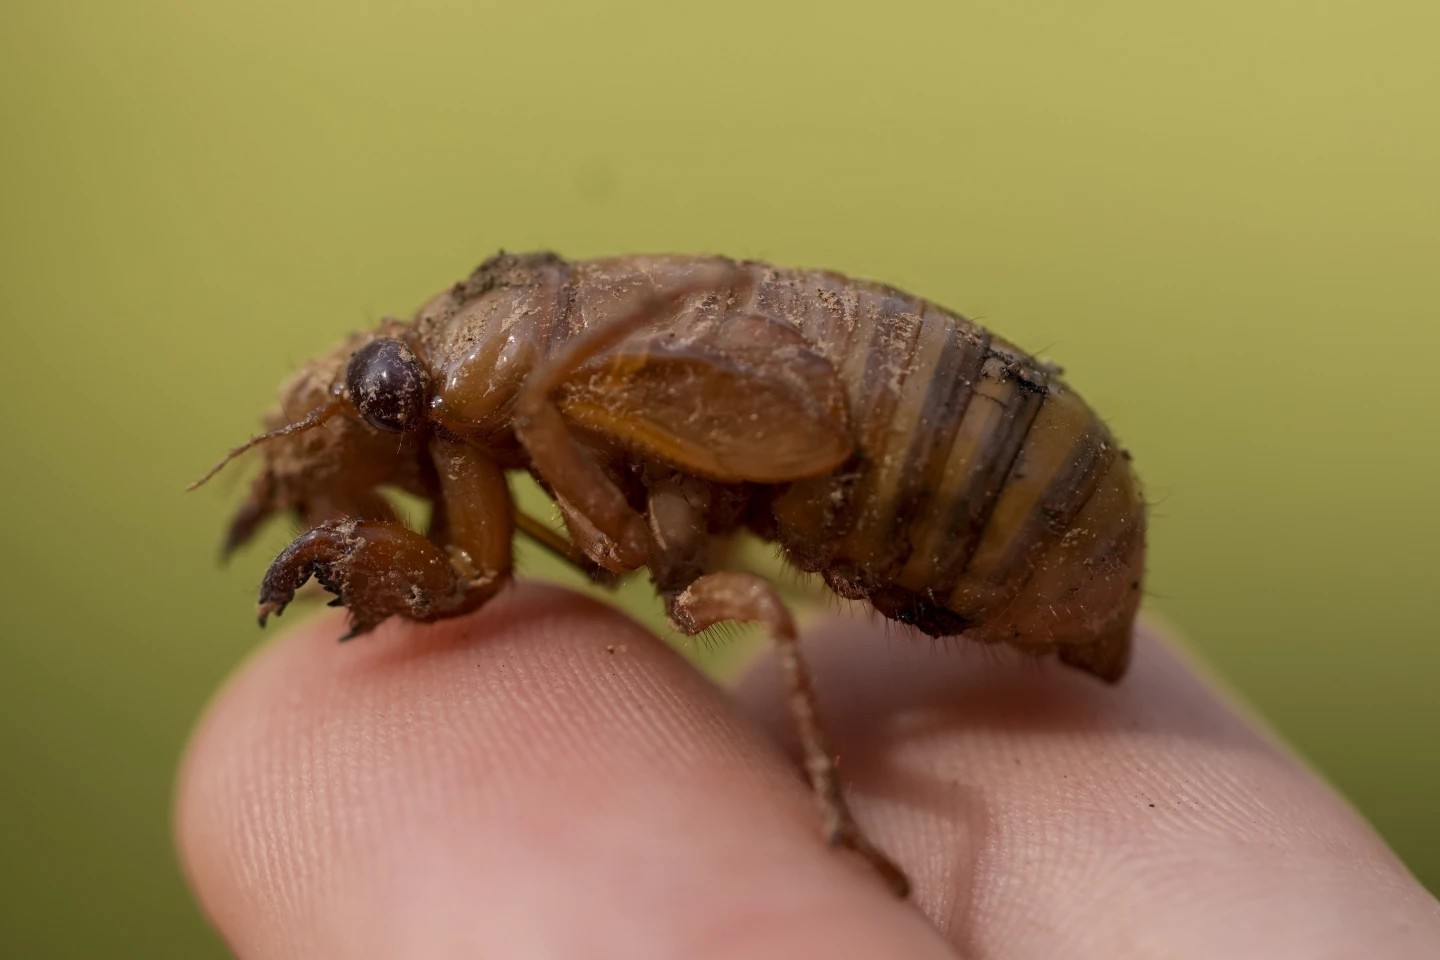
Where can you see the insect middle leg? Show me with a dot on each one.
(539, 533)
(599, 516)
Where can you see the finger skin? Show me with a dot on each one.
(1043, 814)
(541, 779)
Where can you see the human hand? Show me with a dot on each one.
(545, 779)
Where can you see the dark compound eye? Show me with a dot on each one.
(387, 385)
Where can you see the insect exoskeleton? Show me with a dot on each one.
(905, 454)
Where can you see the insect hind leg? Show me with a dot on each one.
(717, 597)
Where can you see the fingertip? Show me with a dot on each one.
(305, 755)
(543, 778)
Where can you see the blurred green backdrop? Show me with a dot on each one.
(1222, 218)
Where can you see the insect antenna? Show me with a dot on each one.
(312, 419)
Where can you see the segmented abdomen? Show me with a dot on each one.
(985, 496)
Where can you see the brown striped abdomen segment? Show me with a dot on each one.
(986, 498)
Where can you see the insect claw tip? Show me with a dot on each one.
(266, 609)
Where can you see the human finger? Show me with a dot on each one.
(1043, 814)
(542, 779)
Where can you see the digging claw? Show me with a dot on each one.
(263, 612)
(317, 553)
(378, 569)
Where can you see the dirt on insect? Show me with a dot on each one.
(908, 456)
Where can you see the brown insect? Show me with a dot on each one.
(908, 456)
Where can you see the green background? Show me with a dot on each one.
(1222, 218)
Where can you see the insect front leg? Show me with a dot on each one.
(677, 516)
(380, 568)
